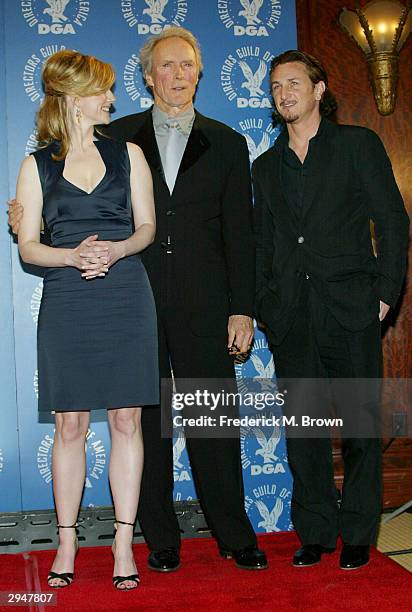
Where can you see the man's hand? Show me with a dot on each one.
(15, 214)
(383, 310)
(240, 334)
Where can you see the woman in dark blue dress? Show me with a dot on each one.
(97, 343)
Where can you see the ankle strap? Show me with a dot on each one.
(75, 526)
(123, 522)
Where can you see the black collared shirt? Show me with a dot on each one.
(294, 173)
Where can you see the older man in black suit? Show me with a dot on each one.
(322, 293)
(201, 267)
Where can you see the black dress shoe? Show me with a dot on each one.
(309, 554)
(353, 556)
(167, 560)
(251, 557)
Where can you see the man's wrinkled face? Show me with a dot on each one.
(174, 75)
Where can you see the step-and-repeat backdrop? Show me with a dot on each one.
(238, 40)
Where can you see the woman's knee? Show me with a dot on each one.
(72, 427)
(125, 421)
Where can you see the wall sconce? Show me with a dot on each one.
(380, 28)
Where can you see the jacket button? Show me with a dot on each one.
(301, 240)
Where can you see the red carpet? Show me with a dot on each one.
(207, 582)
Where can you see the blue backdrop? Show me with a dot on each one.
(238, 40)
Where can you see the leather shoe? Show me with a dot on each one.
(309, 554)
(167, 560)
(353, 556)
(250, 557)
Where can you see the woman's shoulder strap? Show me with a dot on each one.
(49, 169)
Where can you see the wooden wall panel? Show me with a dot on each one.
(320, 34)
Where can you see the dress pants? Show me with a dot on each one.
(317, 346)
(215, 462)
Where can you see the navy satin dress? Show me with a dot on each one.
(97, 338)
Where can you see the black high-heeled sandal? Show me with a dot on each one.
(67, 577)
(118, 580)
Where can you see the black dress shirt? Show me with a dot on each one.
(294, 173)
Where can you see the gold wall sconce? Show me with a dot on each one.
(380, 28)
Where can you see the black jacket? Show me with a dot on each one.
(350, 183)
(206, 223)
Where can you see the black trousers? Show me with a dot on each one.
(317, 346)
(215, 462)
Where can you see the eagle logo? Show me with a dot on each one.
(155, 10)
(251, 10)
(264, 374)
(255, 151)
(270, 519)
(178, 447)
(267, 445)
(253, 79)
(56, 10)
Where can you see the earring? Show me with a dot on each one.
(78, 113)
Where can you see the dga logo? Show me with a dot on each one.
(180, 471)
(36, 383)
(1, 460)
(35, 301)
(259, 449)
(133, 82)
(267, 508)
(258, 372)
(55, 16)
(32, 71)
(244, 74)
(258, 137)
(32, 144)
(95, 457)
(153, 16)
(250, 17)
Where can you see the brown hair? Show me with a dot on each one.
(316, 72)
(68, 73)
(146, 52)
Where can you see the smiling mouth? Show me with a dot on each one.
(288, 104)
(106, 109)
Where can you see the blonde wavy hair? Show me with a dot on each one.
(68, 73)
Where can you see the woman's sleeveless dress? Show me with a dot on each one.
(97, 339)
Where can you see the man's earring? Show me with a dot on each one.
(78, 113)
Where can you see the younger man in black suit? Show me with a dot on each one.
(322, 293)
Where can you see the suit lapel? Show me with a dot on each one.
(279, 196)
(197, 145)
(146, 139)
(318, 169)
(316, 173)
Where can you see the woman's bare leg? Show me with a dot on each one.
(69, 470)
(125, 473)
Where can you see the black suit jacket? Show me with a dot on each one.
(350, 183)
(206, 223)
